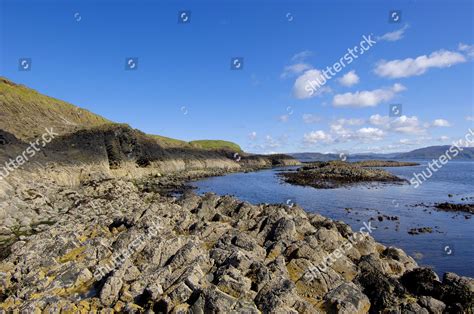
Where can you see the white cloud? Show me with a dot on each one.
(294, 69)
(412, 67)
(394, 36)
(252, 136)
(405, 124)
(367, 98)
(300, 56)
(284, 118)
(271, 142)
(349, 79)
(376, 128)
(316, 137)
(467, 49)
(378, 120)
(443, 138)
(405, 141)
(418, 141)
(464, 143)
(441, 123)
(302, 88)
(340, 133)
(343, 134)
(309, 118)
(470, 118)
(371, 134)
(351, 121)
(402, 124)
(338, 128)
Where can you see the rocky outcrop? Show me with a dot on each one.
(450, 207)
(333, 174)
(119, 146)
(122, 245)
(384, 163)
(34, 195)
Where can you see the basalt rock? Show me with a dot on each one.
(450, 207)
(333, 174)
(116, 246)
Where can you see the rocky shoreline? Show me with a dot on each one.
(91, 222)
(384, 163)
(124, 245)
(334, 174)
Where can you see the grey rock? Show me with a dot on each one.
(110, 292)
(347, 299)
(205, 254)
(434, 306)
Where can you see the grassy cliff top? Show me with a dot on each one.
(216, 144)
(26, 113)
(168, 142)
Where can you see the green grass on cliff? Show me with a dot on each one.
(201, 144)
(216, 144)
(169, 142)
(26, 113)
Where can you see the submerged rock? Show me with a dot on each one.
(414, 231)
(468, 208)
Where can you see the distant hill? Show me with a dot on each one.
(25, 113)
(307, 157)
(432, 152)
(426, 153)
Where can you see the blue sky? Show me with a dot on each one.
(184, 86)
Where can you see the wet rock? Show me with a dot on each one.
(414, 231)
(468, 208)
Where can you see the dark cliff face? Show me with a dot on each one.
(7, 139)
(117, 145)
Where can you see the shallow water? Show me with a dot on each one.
(448, 248)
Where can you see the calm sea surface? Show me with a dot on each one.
(448, 248)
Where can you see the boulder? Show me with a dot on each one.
(347, 299)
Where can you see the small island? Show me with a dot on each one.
(334, 174)
(451, 207)
(385, 163)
